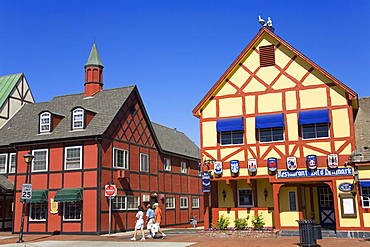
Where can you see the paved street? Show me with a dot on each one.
(177, 237)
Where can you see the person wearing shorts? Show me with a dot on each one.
(158, 218)
(139, 225)
(150, 220)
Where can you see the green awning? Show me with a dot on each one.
(68, 195)
(37, 196)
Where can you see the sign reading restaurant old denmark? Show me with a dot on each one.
(314, 173)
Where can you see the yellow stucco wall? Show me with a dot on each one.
(340, 123)
(209, 134)
(270, 102)
(287, 217)
(292, 126)
(210, 110)
(228, 214)
(313, 98)
(231, 107)
(229, 200)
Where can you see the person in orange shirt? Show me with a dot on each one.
(158, 218)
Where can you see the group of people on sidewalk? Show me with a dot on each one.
(153, 222)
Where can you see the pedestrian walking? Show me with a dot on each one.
(150, 220)
(139, 225)
(158, 218)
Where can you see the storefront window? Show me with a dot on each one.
(38, 211)
(72, 210)
(365, 193)
(245, 197)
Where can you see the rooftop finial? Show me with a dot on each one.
(267, 24)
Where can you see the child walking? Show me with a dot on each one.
(139, 225)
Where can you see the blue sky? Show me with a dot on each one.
(173, 50)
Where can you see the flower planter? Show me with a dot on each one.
(240, 234)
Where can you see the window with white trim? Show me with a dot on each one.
(183, 202)
(3, 162)
(45, 121)
(72, 210)
(170, 202)
(38, 211)
(234, 137)
(40, 160)
(120, 158)
(133, 202)
(12, 162)
(78, 118)
(195, 202)
(184, 168)
(144, 162)
(73, 157)
(167, 164)
(273, 134)
(365, 195)
(315, 130)
(245, 197)
(119, 203)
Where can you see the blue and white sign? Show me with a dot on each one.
(311, 161)
(234, 166)
(315, 173)
(204, 190)
(252, 165)
(345, 187)
(217, 167)
(291, 163)
(272, 164)
(206, 179)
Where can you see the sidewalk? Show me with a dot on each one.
(176, 237)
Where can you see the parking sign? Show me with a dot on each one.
(26, 191)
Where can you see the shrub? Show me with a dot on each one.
(222, 222)
(241, 223)
(258, 222)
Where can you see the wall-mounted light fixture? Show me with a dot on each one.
(265, 193)
(224, 194)
(355, 174)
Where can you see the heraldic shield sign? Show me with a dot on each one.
(217, 167)
(291, 163)
(252, 165)
(333, 161)
(272, 164)
(311, 161)
(234, 166)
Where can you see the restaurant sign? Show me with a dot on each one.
(314, 173)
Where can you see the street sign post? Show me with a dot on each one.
(26, 191)
(110, 192)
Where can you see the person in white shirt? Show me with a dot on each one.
(139, 225)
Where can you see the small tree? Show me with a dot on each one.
(241, 223)
(222, 222)
(258, 222)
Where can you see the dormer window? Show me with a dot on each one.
(78, 119)
(45, 122)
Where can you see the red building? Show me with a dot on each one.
(82, 142)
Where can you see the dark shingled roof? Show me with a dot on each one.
(23, 127)
(174, 141)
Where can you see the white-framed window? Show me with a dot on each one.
(38, 211)
(315, 131)
(45, 121)
(144, 162)
(184, 167)
(133, 202)
(73, 158)
(273, 134)
(72, 210)
(195, 202)
(170, 202)
(40, 160)
(234, 137)
(78, 118)
(3, 162)
(120, 158)
(167, 164)
(365, 194)
(245, 197)
(12, 162)
(119, 203)
(184, 202)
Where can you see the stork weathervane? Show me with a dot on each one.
(267, 24)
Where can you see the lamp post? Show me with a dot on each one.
(28, 159)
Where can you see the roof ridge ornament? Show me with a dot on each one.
(267, 24)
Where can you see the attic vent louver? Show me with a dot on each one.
(267, 56)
